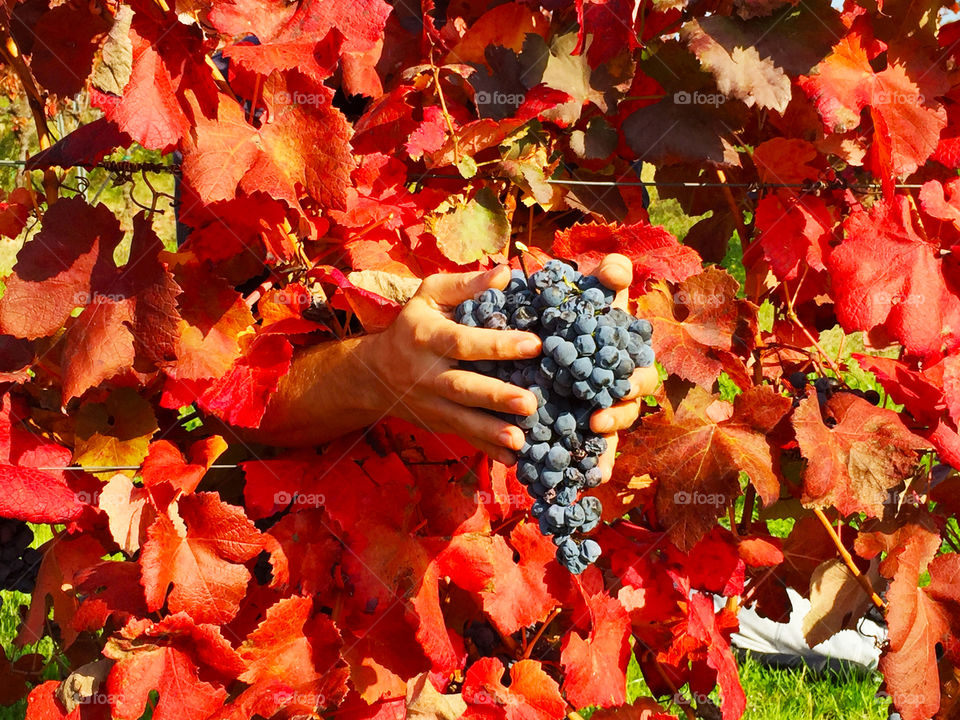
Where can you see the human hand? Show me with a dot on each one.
(416, 359)
(616, 272)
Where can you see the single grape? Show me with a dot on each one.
(589, 551)
(558, 458)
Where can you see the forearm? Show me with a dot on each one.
(331, 389)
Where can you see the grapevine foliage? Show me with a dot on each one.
(331, 154)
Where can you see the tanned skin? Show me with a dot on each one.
(410, 371)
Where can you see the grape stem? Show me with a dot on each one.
(746, 517)
(848, 560)
(732, 203)
(536, 638)
(792, 316)
(687, 710)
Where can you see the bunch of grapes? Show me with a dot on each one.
(19, 563)
(590, 349)
(826, 388)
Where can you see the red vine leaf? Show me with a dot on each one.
(697, 456)
(25, 492)
(698, 327)
(886, 274)
(204, 565)
(168, 657)
(858, 460)
(906, 124)
(654, 252)
(531, 695)
(55, 270)
(917, 621)
(595, 666)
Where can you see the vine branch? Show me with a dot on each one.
(848, 560)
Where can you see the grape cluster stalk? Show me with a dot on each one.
(590, 349)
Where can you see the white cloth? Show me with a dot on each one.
(763, 636)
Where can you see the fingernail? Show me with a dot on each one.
(528, 347)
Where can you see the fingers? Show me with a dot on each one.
(475, 390)
(500, 454)
(449, 289)
(475, 425)
(615, 271)
(466, 343)
(615, 418)
(605, 461)
(643, 381)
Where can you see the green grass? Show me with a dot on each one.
(788, 694)
(799, 694)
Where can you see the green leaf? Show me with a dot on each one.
(473, 229)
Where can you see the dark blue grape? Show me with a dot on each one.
(552, 296)
(585, 345)
(526, 423)
(541, 394)
(603, 399)
(549, 317)
(484, 310)
(555, 516)
(574, 515)
(582, 390)
(567, 551)
(524, 318)
(642, 327)
(544, 522)
(587, 463)
(465, 308)
(558, 458)
(594, 296)
(527, 472)
(548, 413)
(565, 424)
(596, 445)
(644, 358)
(550, 344)
(493, 296)
(538, 452)
(593, 477)
(601, 377)
(589, 551)
(581, 368)
(565, 353)
(620, 388)
(606, 335)
(608, 356)
(540, 433)
(585, 324)
(625, 367)
(549, 367)
(551, 478)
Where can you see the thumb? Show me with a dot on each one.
(449, 289)
(615, 271)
